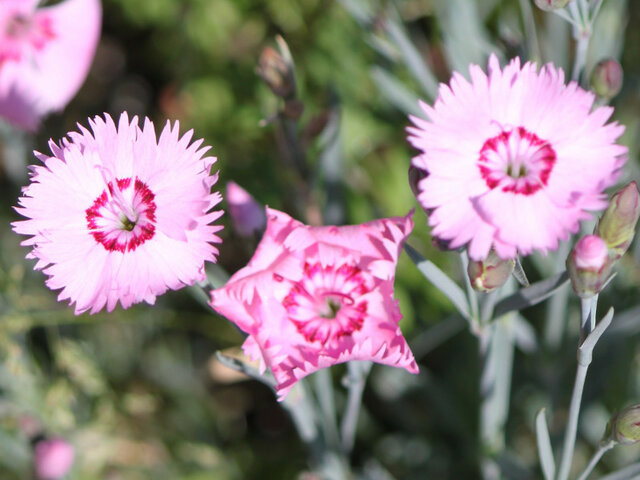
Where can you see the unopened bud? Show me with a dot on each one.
(548, 5)
(53, 458)
(618, 223)
(624, 426)
(589, 266)
(277, 72)
(491, 273)
(247, 215)
(606, 78)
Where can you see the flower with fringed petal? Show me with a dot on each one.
(513, 159)
(312, 297)
(116, 214)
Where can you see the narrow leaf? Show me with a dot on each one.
(532, 295)
(412, 57)
(239, 362)
(441, 281)
(544, 446)
(518, 273)
(395, 91)
(629, 473)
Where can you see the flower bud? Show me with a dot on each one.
(491, 273)
(618, 223)
(589, 265)
(247, 215)
(277, 73)
(548, 5)
(624, 426)
(606, 78)
(53, 458)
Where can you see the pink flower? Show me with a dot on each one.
(247, 215)
(53, 458)
(312, 297)
(45, 55)
(118, 215)
(514, 158)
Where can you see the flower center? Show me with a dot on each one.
(21, 34)
(326, 304)
(517, 161)
(123, 216)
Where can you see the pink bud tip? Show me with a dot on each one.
(53, 458)
(591, 253)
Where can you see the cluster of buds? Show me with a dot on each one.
(549, 5)
(491, 273)
(591, 261)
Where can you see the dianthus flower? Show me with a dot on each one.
(45, 55)
(312, 297)
(513, 159)
(118, 215)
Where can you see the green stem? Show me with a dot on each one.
(530, 30)
(584, 360)
(323, 386)
(602, 449)
(572, 424)
(357, 377)
(557, 308)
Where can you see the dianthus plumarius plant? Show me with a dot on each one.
(520, 170)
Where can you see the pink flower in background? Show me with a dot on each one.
(247, 215)
(312, 297)
(515, 159)
(45, 55)
(118, 215)
(53, 458)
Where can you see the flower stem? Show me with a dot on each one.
(530, 30)
(602, 449)
(323, 387)
(357, 377)
(584, 359)
(557, 308)
(572, 424)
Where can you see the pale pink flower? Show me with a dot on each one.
(312, 297)
(118, 215)
(247, 215)
(515, 159)
(53, 458)
(45, 55)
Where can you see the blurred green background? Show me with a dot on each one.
(138, 392)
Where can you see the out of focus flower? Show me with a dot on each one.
(491, 273)
(606, 78)
(624, 426)
(45, 55)
(53, 458)
(515, 158)
(548, 5)
(589, 265)
(312, 297)
(618, 223)
(118, 215)
(247, 215)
